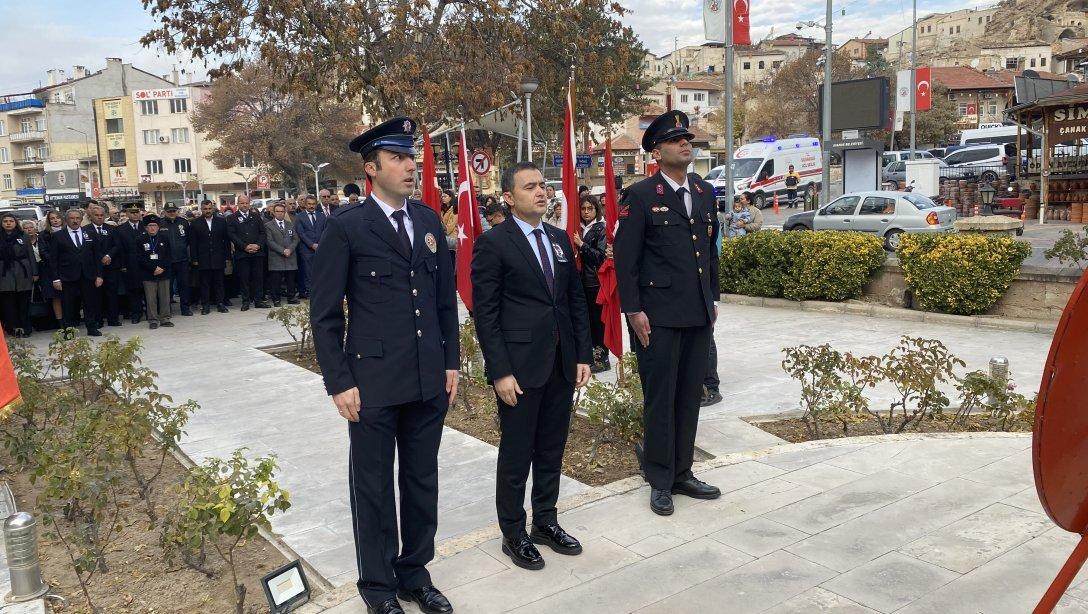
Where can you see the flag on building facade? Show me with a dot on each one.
(569, 220)
(608, 296)
(468, 224)
(431, 193)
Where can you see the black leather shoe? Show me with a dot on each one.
(696, 489)
(167, 324)
(223, 309)
(205, 311)
(276, 304)
(712, 397)
(661, 502)
(389, 606)
(228, 303)
(261, 305)
(522, 552)
(186, 312)
(114, 322)
(152, 325)
(245, 306)
(292, 301)
(554, 537)
(429, 599)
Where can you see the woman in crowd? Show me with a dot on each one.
(17, 276)
(591, 246)
(449, 220)
(53, 223)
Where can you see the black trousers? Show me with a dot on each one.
(305, 272)
(109, 297)
(711, 380)
(179, 279)
(672, 371)
(414, 431)
(596, 326)
(534, 433)
(211, 287)
(281, 284)
(250, 274)
(75, 294)
(15, 311)
(134, 293)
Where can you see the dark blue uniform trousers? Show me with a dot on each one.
(414, 431)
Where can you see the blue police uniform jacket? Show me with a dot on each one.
(402, 330)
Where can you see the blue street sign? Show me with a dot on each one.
(583, 161)
(557, 160)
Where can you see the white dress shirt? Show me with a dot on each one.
(528, 230)
(676, 186)
(388, 211)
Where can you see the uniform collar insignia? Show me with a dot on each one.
(699, 188)
(660, 189)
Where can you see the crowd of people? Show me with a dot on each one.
(100, 266)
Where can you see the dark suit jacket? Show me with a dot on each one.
(127, 237)
(403, 310)
(518, 321)
(148, 249)
(666, 262)
(209, 250)
(308, 233)
(70, 263)
(108, 243)
(245, 233)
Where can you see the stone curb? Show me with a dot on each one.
(894, 313)
(458, 544)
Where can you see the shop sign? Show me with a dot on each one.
(161, 94)
(119, 192)
(1067, 123)
(111, 109)
(115, 141)
(118, 175)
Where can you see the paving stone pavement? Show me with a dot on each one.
(936, 527)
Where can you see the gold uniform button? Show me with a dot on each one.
(419, 333)
(415, 292)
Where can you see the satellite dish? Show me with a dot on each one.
(1073, 78)
(1030, 74)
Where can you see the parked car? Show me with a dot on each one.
(886, 214)
(894, 175)
(987, 162)
(27, 212)
(939, 152)
(888, 157)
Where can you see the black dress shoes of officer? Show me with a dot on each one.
(245, 306)
(167, 324)
(114, 322)
(710, 397)
(389, 606)
(554, 537)
(186, 312)
(292, 301)
(261, 305)
(429, 599)
(276, 304)
(696, 489)
(94, 333)
(205, 311)
(152, 325)
(223, 309)
(522, 552)
(661, 502)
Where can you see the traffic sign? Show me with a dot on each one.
(264, 181)
(481, 162)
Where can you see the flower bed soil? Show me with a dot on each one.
(794, 430)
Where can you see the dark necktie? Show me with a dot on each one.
(402, 232)
(680, 194)
(545, 262)
(77, 239)
(281, 225)
(312, 220)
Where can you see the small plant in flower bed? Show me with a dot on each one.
(615, 408)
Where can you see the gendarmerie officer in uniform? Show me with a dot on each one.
(667, 273)
(394, 376)
(533, 325)
(245, 227)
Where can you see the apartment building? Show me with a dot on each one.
(939, 31)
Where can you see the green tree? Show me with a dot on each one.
(790, 102)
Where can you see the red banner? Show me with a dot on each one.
(468, 224)
(923, 87)
(431, 193)
(9, 386)
(741, 33)
(608, 296)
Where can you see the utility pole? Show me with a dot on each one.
(728, 129)
(825, 178)
(913, 78)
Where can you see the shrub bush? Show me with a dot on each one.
(961, 274)
(827, 265)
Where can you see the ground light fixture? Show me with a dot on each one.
(286, 588)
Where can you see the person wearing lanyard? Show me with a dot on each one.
(155, 262)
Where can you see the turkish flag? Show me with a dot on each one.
(608, 296)
(923, 87)
(9, 385)
(430, 176)
(468, 224)
(570, 177)
(741, 33)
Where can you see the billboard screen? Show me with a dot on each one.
(860, 104)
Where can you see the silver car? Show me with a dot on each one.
(894, 175)
(886, 214)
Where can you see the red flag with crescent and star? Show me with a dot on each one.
(924, 88)
(9, 384)
(741, 33)
(608, 296)
(468, 224)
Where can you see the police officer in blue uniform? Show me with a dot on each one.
(394, 375)
(667, 273)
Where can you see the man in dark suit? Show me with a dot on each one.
(309, 224)
(209, 249)
(533, 326)
(110, 256)
(177, 231)
(246, 231)
(76, 272)
(128, 232)
(394, 376)
(667, 273)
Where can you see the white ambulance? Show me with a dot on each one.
(760, 168)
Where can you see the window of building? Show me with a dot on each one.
(149, 107)
(1033, 62)
(28, 153)
(43, 152)
(179, 105)
(151, 137)
(115, 126)
(762, 64)
(776, 64)
(1012, 63)
(979, 20)
(26, 125)
(3, 128)
(1042, 61)
(957, 29)
(962, 109)
(7, 182)
(39, 124)
(4, 155)
(179, 135)
(118, 158)
(747, 66)
(183, 165)
(35, 181)
(993, 109)
(988, 19)
(683, 97)
(246, 161)
(710, 69)
(699, 97)
(154, 167)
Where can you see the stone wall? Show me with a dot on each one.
(1036, 294)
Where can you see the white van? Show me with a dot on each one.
(1001, 135)
(760, 168)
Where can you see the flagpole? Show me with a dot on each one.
(913, 78)
(728, 104)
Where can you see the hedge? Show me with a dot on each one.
(962, 274)
(826, 265)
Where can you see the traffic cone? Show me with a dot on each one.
(776, 204)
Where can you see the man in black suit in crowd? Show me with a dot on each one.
(128, 232)
(76, 272)
(110, 256)
(394, 376)
(309, 224)
(177, 230)
(667, 273)
(533, 326)
(247, 233)
(209, 248)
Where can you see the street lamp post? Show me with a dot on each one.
(245, 178)
(825, 120)
(317, 174)
(86, 150)
(528, 86)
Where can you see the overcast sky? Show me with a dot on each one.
(63, 33)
